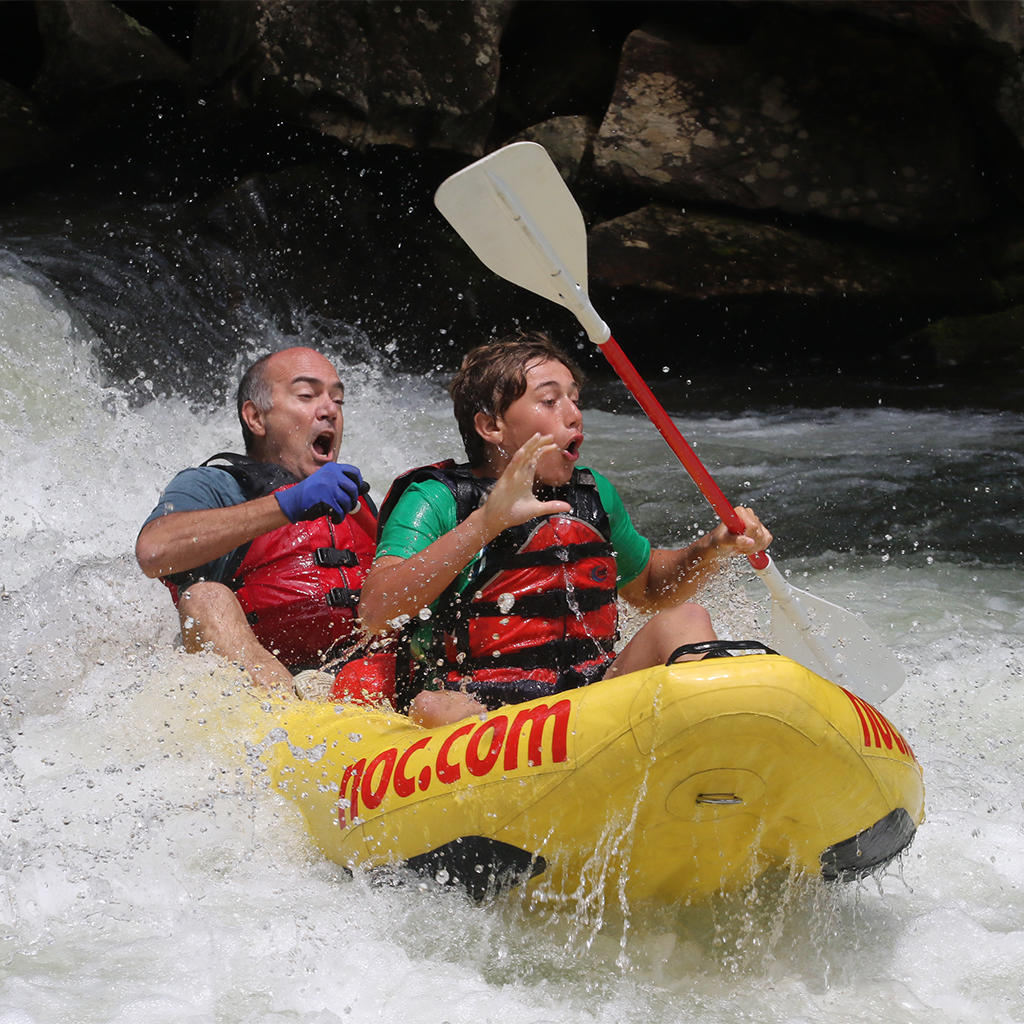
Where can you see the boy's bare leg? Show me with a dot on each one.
(660, 636)
(431, 708)
(213, 620)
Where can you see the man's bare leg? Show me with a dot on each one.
(213, 620)
(660, 636)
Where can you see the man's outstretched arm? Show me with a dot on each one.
(180, 541)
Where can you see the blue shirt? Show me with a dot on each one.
(195, 490)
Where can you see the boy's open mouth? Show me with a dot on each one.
(573, 447)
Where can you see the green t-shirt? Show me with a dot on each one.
(426, 511)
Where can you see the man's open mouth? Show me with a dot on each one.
(324, 445)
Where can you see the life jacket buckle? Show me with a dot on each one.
(335, 558)
(342, 597)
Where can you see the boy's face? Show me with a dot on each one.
(548, 406)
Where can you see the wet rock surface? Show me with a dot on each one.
(789, 120)
(772, 172)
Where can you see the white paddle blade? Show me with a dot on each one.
(830, 641)
(499, 205)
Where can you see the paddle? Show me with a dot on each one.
(515, 212)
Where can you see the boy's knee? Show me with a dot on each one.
(688, 616)
(433, 708)
(699, 613)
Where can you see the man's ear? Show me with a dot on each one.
(487, 427)
(254, 419)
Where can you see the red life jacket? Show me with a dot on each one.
(299, 584)
(540, 613)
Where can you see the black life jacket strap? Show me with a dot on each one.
(256, 478)
(552, 604)
(342, 597)
(560, 554)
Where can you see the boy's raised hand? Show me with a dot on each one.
(512, 500)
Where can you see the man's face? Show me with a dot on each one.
(302, 429)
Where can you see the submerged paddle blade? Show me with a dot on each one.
(831, 641)
(498, 206)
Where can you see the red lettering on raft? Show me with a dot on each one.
(537, 716)
(372, 795)
(403, 784)
(446, 771)
(878, 730)
(476, 764)
(484, 746)
(353, 773)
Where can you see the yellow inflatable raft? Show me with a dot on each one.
(665, 784)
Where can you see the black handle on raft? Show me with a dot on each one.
(718, 649)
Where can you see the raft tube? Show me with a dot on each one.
(666, 784)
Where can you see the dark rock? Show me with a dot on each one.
(24, 138)
(224, 48)
(92, 48)
(1008, 102)
(558, 58)
(568, 140)
(996, 25)
(791, 120)
(971, 343)
(701, 256)
(418, 75)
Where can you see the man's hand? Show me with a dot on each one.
(333, 490)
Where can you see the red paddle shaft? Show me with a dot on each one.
(687, 456)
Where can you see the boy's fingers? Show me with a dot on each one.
(535, 444)
(551, 507)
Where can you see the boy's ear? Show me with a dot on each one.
(487, 427)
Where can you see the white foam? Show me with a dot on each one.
(145, 875)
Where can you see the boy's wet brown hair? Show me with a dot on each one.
(493, 376)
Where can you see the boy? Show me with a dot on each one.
(520, 554)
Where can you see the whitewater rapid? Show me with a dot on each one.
(145, 875)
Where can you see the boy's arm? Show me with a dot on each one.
(671, 577)
(403, 586)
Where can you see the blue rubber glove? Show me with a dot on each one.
(333, 490)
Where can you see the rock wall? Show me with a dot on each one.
(786, 178)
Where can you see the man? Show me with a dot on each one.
(265, 556)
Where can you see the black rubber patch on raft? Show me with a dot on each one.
(873, 848)
(478, 865)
